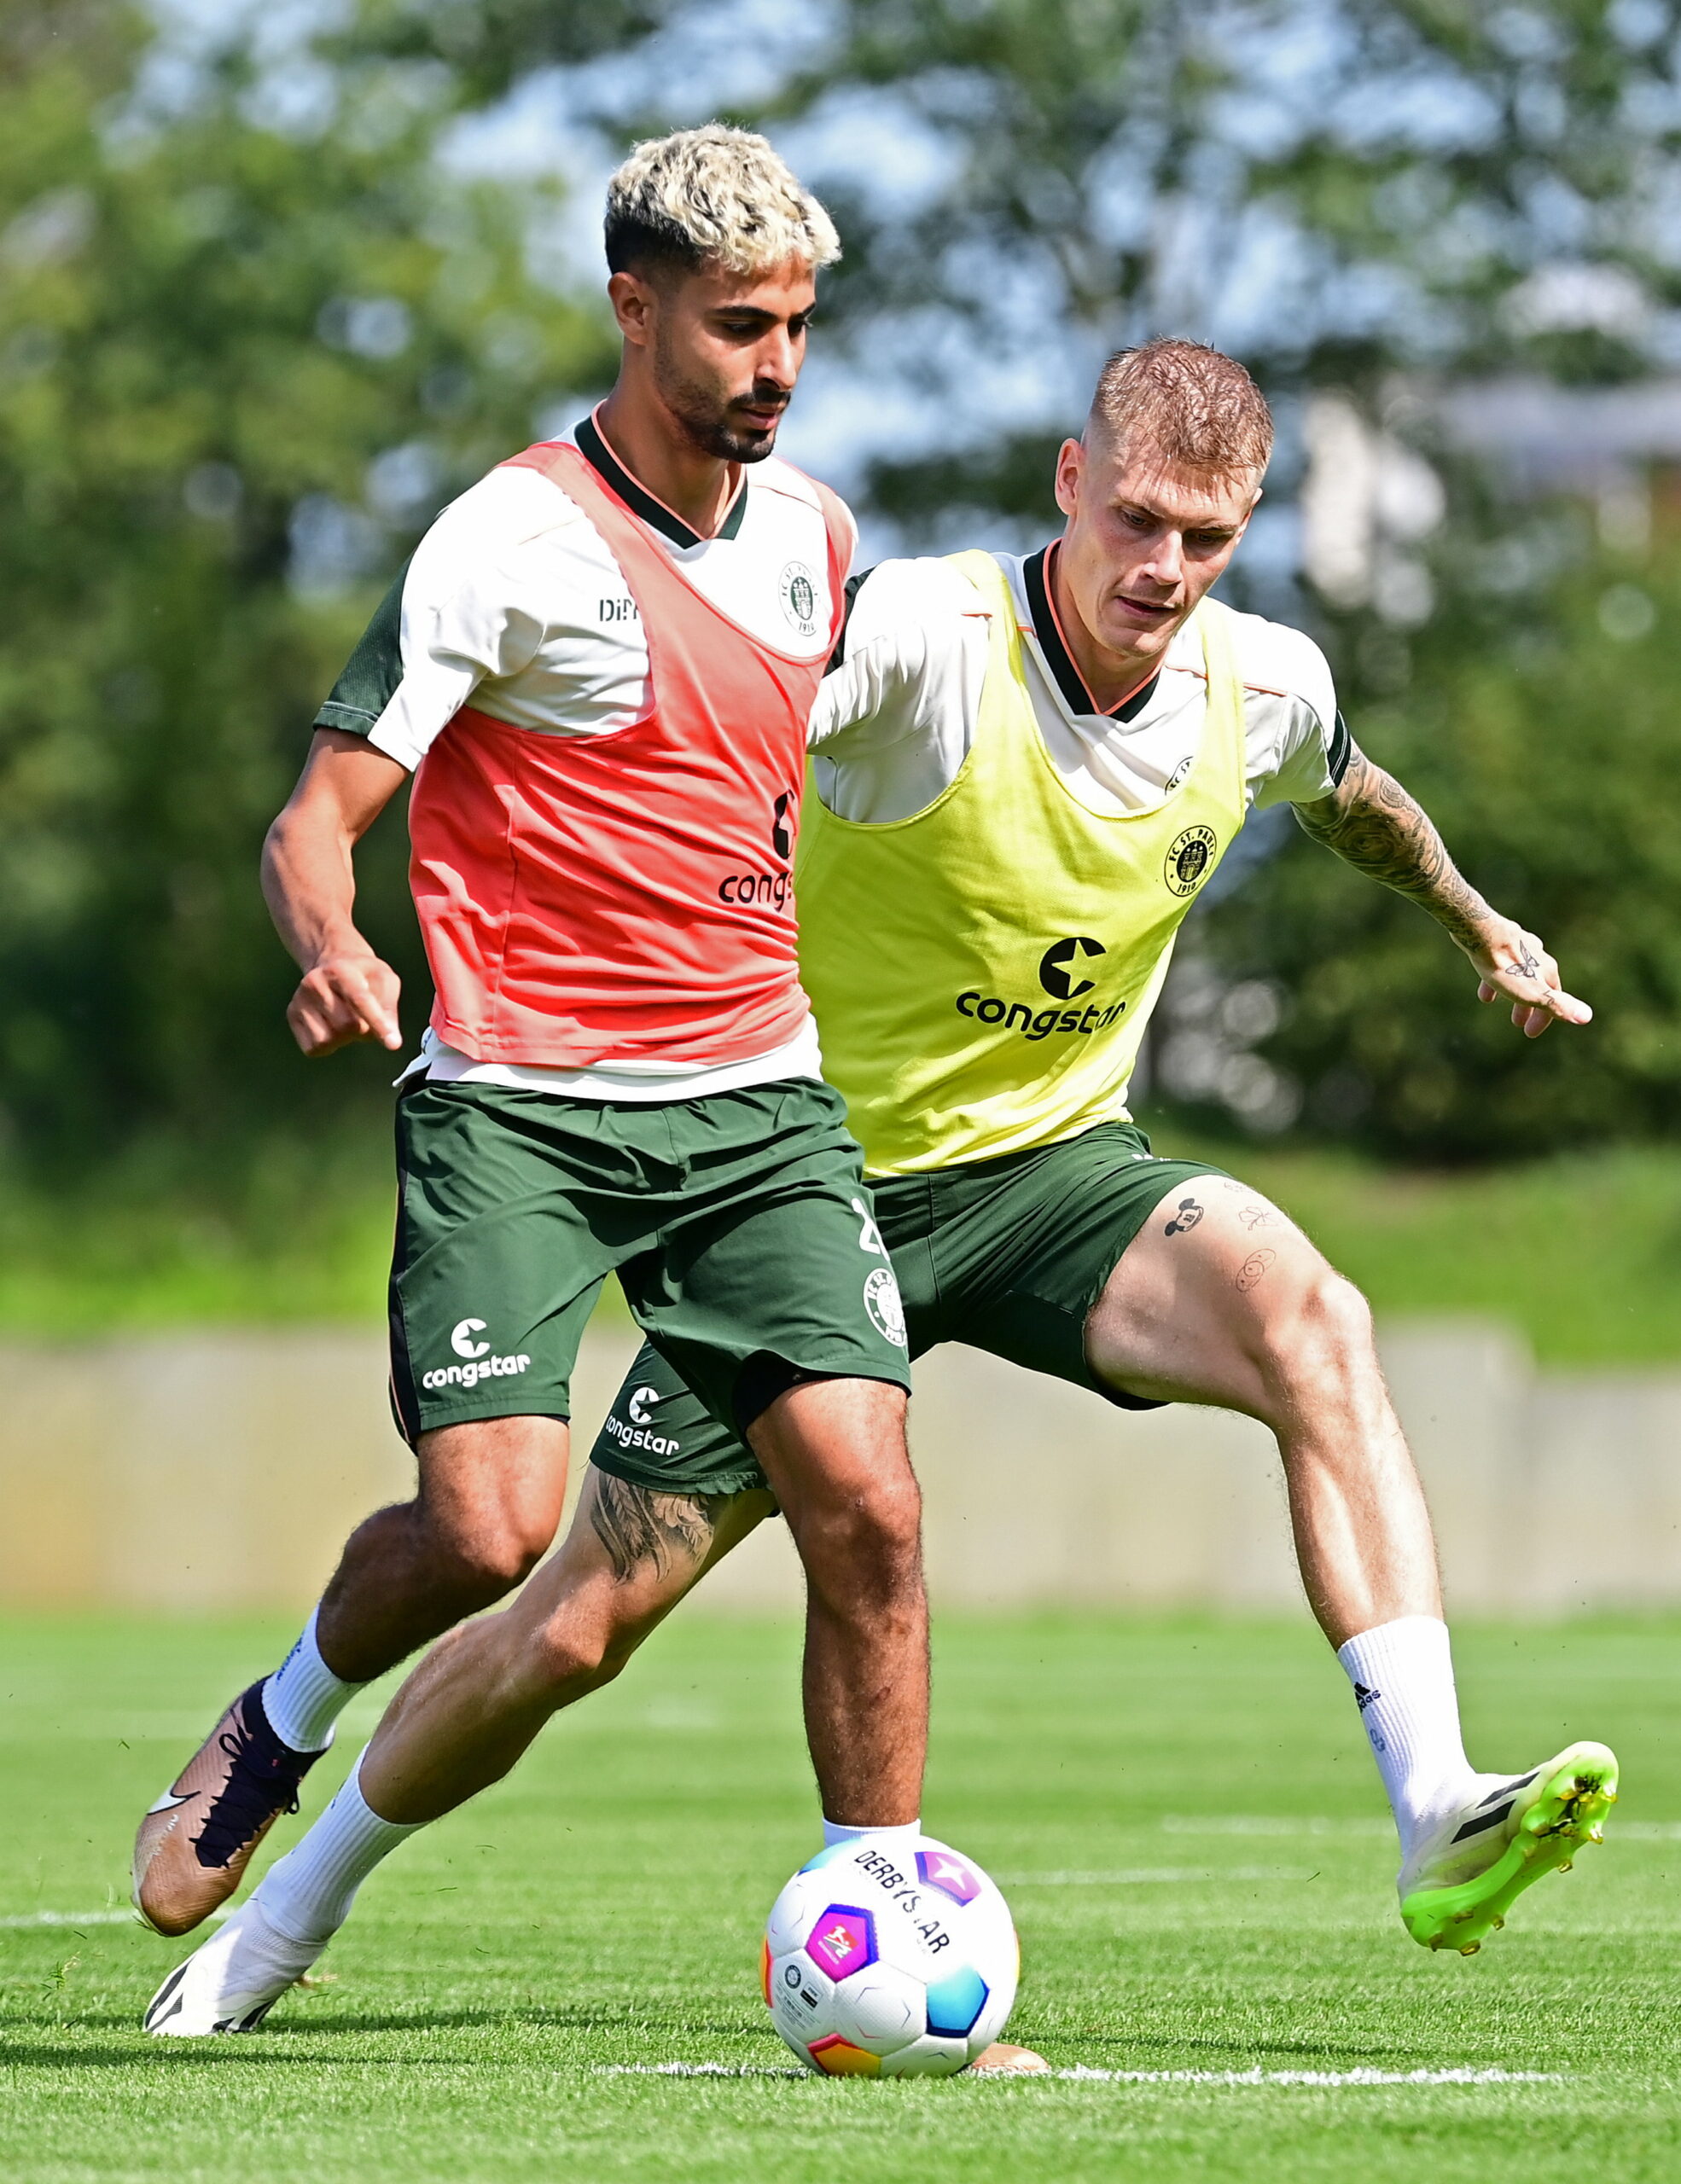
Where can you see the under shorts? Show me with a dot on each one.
(1007, 1255)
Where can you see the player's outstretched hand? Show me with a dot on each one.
(343, 999)
(1513, 966)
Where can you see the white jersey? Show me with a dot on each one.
(896, 715)
(515, 604)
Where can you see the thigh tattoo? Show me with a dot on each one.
(636, 1525)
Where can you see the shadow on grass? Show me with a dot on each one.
(311, 2038)
(54, 2046)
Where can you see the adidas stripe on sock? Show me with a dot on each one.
(1403, 1677)
(303, 1697)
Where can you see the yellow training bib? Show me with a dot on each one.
(982, 972)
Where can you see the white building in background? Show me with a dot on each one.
(1369, 501)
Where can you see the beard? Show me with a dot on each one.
(705, 417)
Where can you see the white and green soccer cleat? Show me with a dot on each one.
(231, 1982)
(1459, 1885)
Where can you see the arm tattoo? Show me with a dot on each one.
(636, 1525)
(1373, 824)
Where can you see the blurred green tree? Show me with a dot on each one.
(246, 356)
(1348, 193)
(244, 360)
(1344, 192)
(1544, 734)
(1333, 187)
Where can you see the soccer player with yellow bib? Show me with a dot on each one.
(1023, 775)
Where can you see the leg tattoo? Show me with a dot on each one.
(636, 1525)
(1254, 1268)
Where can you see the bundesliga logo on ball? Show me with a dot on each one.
(884, 1960)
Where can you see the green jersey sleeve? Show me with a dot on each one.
(373, 671)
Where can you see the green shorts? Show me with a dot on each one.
(1006, 1255)
(739, 1225)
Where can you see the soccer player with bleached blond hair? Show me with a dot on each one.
(1026, 768)
(598, 670)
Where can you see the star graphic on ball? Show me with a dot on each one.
(945, 1871)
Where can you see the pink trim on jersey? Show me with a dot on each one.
(1126, 696)
(627, 894)
(724, 514)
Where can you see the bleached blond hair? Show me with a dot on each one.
(712, 196)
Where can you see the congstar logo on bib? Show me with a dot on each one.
(1056, 974)
(1062, 973)
(743, 889)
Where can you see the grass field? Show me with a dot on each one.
(1184, 1816)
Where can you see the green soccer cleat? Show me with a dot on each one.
(1458, 1885)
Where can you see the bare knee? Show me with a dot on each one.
(573, 1654)
(1316, 1332)
(483, 1557)
(489, 1499)
(865, 1548)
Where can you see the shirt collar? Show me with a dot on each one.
(592, 446)
(1048, 630)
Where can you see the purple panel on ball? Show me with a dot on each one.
(945, 1871)
(843, 1941)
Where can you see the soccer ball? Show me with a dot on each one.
(883, 1960)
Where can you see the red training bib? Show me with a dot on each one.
(631, 894)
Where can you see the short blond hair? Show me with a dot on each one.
(712, 196)
(1188, 403)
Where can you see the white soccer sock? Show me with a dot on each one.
(303, 1697)
(1403, 1677)
(258, 1954)
(837, 1831)
(306, 1895)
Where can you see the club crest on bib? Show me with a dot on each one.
(797, 588)
(1188, 859)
